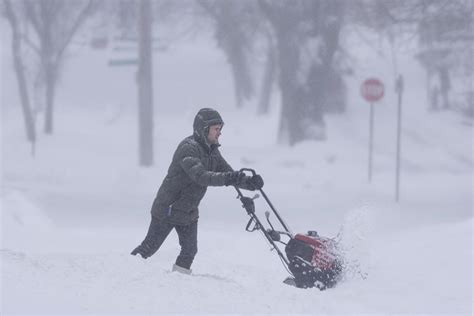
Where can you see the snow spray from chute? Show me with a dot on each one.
(354, 240)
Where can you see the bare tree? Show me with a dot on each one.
(55, 23)
(446, 51)
(307, 37)
(234, 22)
(19, 66)
(443, 30)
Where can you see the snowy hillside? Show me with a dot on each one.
(71, 215)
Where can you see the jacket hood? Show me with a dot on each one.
(205, 118)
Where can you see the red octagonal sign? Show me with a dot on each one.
(372, 89)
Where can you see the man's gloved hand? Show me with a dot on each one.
(256, 181)
(234, 178)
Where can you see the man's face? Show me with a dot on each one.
(214, 133)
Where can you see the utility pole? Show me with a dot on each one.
(399, 90)
(145, 84)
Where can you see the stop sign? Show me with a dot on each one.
(372, 90)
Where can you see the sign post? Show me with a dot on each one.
(372, 90)
(399, 90)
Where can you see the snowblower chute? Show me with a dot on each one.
(312, 260)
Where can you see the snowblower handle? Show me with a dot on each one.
(249, 170)
(240, 195)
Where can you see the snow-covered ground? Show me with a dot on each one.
(71, 215)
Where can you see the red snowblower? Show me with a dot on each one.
(311, 260)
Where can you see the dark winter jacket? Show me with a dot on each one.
(196, 165)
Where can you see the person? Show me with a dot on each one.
(196, 164)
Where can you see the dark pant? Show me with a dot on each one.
(160, 229)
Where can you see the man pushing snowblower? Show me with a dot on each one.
(312, 261)
(197, 164)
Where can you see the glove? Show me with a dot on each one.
(234, 178)
(256, 181)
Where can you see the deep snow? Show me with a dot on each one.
(71, 215)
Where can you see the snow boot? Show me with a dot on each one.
(142, 250)
(181, 269)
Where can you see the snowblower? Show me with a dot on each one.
(311, 260)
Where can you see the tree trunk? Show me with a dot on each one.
(231, 37)
(48, 66)
(20, 74)
(288, 61)
(332, 92)
(145, 86)
(49, 94)
(233, 46)
(307, 36)
(268, 79)
(238, 88)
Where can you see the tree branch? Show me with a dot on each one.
(32, 16)
(30, 43)
(209, 8)
(77, 23)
